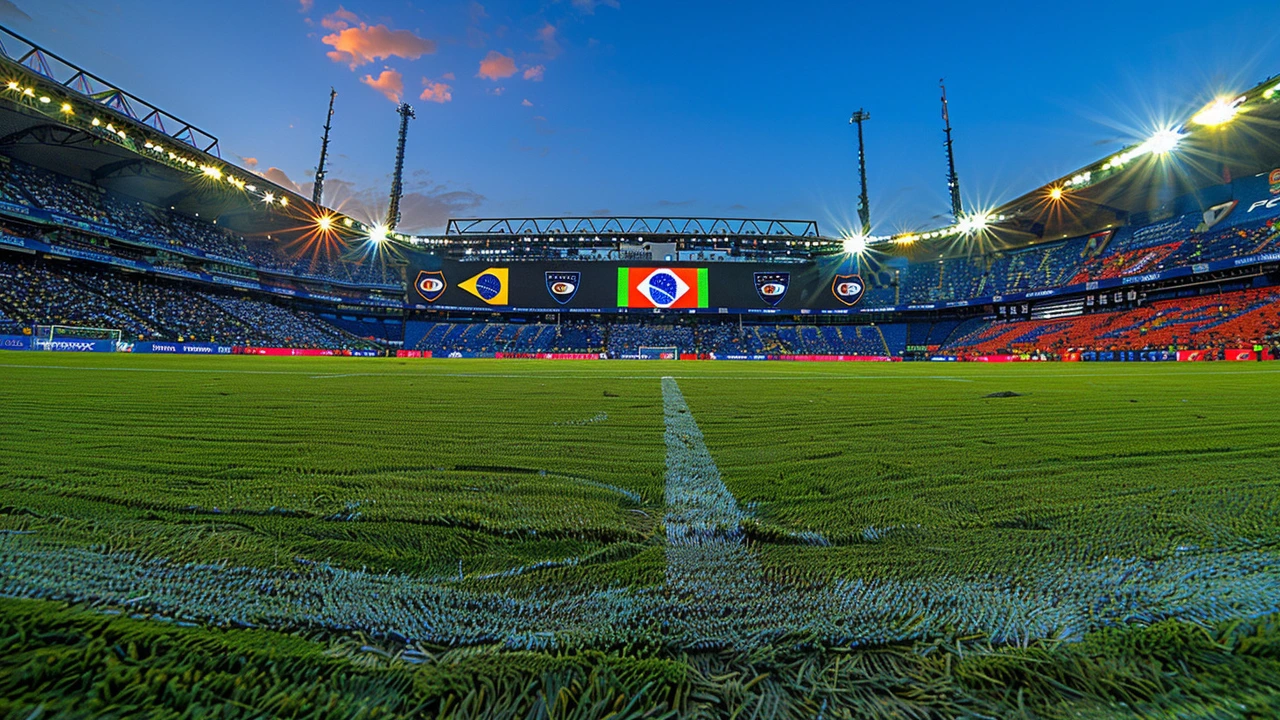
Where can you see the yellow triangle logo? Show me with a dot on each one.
(490, 286)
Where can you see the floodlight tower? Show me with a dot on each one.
(397, 186)
(317, 193)
(953, 181)
(864, 207)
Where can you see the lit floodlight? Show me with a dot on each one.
(1055, 194)
(284, 201)
(211, 172)
(45, 99)
(1219, 112)
(1163, 142)
(66, 108)
(268, 198)
(970, 224)
(378, 234)
(346, 221)
(13, 85)
(324, 222)
(855, 245)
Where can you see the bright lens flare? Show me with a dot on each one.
(1163, 142)
(1055, 194)
(855, 245)
(378, 234)
(324, 222)
(1219, 112)
(971, 224)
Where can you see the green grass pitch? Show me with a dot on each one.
(243, 536)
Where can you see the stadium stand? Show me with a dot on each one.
(1215, 321)
(34, 292)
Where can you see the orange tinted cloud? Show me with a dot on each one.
(550, 45)
(278, 176)
(436, 92)
(496, 66)
(341, 19)
(306, 5)
(390, 83)
(535, 73)
(364, 44)
(250, 162)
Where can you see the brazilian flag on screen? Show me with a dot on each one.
(663, 288)
(490, 286)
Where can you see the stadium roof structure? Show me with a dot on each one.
(654, 226)
(58, 116)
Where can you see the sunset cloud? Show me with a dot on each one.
(436, 92)
(390, 83)
(362, 44)
(250, 162)
(547, 35)
(306, 5)
(496, 66)
(340, 19)
(526, 103)
(278, 176)
(535, 73)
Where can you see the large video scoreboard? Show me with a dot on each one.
(635, 286)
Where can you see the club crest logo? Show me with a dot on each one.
(848, 289)
(1274, 180)
(430, 285)
(772, 286)
(563, 285)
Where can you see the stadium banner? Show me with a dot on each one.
(1192, 355)
(15, 342)
(625, 287)
(183, 348)
(548, 356)
(996, 358)
(736, 356)
(292, 352)
(836, 358)
(75, 345)
(1239, 355)
(413, 353)
(463, 355)
(944, 358)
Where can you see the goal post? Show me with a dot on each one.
(646, 352)
(77, 337)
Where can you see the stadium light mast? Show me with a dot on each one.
(953, 180)
(317, 193)
(864, 206)
(397, 187)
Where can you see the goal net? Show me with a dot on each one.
(75, 337)
(658, 353)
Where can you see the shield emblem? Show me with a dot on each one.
(848, 289)
(563, 285)
(772, 286)
(430, 285)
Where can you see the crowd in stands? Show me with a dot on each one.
(1129, 251)
(26, 185)
(622, 339)
(1214, 321)
(35, 292)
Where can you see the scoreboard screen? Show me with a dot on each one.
(628, 286)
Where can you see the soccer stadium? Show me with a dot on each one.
(1021, 462)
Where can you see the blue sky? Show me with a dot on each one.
(554, 107)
